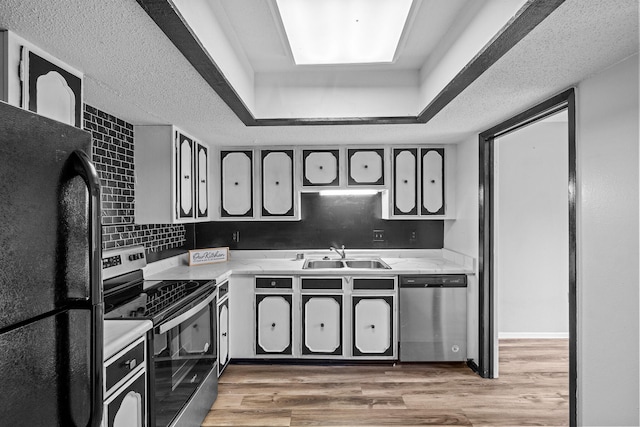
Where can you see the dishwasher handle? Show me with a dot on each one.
(434, 281)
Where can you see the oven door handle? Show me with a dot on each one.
(172, 323)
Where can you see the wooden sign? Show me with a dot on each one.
(208, 256)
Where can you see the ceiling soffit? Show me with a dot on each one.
(170, 21)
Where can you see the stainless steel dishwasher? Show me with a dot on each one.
(433, 318)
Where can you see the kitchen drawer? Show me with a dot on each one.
(119, 367)
(322, 283)
(374, 284)
(223, 289)
(274, 282)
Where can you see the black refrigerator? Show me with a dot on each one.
(50, 274)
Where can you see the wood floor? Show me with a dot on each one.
(532, 390)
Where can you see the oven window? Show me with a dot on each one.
(183, 357)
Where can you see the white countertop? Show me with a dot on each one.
(120, 333)
(433, 263)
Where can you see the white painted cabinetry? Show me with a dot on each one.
(373, 316)
(321, 168)
(125, 403)
(274, 314)
(322, 316)
(366, 167)
(222, 311)
(236, 183)
(423, 185)
(172, 176)
(278, 184)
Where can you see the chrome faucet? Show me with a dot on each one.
(342, 254)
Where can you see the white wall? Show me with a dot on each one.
(607, 154)
(461, 235)
(336, 94)
(532, 231)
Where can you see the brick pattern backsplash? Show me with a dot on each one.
(112, 155)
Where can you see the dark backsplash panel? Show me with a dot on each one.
(326, 221)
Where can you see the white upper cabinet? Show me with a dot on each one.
(236, 184)
(202, 183)
(405, 182)
(365, 167)
(34, 80)
(320, 168)
(432, 181)
(171, 170)
(422, 184)
(278, 198)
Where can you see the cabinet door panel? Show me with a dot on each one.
(373, 326)
(321, 168)
(366, 167)
(203, 181)
(322, 324)
(184, 187)
(223, 336)
(405, 182)
(432, 181)
(128, 407)
(237, 183)
(273, 324)
(277, 183)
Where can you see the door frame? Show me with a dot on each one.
(486, 260)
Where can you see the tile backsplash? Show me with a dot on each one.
(112, 155)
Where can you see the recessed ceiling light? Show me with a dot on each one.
(343, 31)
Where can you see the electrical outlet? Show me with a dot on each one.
(236, 236)
(378, 235)
(413, 236)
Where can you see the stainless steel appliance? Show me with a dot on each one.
(50, 285)
(433, 318)
(183, 357)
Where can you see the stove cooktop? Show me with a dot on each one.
(151, 299)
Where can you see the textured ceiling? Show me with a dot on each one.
(133, 71)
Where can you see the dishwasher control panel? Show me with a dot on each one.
(434, 281)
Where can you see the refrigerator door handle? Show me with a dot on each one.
(83, 167)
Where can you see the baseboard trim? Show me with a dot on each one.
(533, 335)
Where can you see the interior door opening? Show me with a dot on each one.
(527, 253)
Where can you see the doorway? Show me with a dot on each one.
(488, 267)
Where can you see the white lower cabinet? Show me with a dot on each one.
(125, 403)
(322, 325)
(222, 309)
(314, 317)
(273, 324)
(372, 325)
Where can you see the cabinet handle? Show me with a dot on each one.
(273, 325)
(274, 283)
(235, 183)
(186, 177)
(224, 334)
(373, 326)
(202, 181)
(322, 325)
(277, 182)
(433, 181)
(321, 167)
(131, 364)
(366, 166)
(405, 181)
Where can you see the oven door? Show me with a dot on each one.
(184, 353)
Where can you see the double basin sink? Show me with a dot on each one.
(345, 263)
